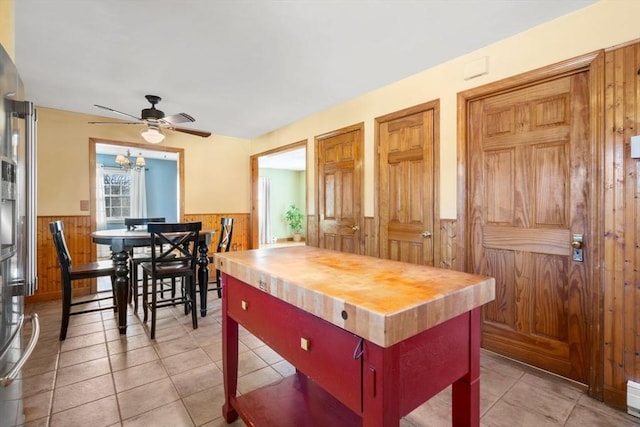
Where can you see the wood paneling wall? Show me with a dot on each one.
(448, 250)
(241, 231)
(77, 231)
(312, 231)
(445, 251)
(621, 193)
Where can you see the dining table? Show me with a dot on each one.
(122, 241)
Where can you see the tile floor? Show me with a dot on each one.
(99, 378)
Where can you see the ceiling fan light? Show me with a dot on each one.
(152, 135)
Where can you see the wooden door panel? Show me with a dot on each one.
(550, 314)
(502, 264)
(339, 192)
(406, 148)
(346, 197)
(329, 196)
(546, 241)
(405, 251)
(527, 184)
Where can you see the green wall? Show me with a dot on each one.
(287, 187)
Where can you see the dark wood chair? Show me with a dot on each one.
(71, 272)
(136, 258)
(224, 244)
(178, 259)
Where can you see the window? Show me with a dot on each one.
(117, 194)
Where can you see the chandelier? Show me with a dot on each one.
(127, 162)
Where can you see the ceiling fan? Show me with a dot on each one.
(155, 121)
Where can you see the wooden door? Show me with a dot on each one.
(527, 191)
(339, 157)
(406, 175)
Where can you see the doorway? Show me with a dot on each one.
(108, 147)
(97, 146)
(407, 154)
(339, 195)
(278, 180)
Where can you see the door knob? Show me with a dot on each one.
(355, 228)
(577, 243)
(426, 234)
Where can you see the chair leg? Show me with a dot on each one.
(145, 296)
(66, 308)
(130, 293)
(192, 297)
(186, 294)
(218, 284)
(154, 300)
(134, 284)
(113, 291)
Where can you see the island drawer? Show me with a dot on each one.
(319, 349)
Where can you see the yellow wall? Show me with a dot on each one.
(6, 27)
(601, 25)
(216, 168)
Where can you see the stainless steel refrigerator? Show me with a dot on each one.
(18, 278)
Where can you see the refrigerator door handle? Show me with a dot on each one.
(7, 379)
(31, 274)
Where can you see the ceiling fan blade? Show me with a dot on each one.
(116, 111)
(196, 132)
(179, 118)
(115, 123)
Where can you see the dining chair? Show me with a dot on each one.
(136, 258)
(71, 272)
(224, 244)
(177, 259)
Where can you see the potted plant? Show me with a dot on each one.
(294, 218)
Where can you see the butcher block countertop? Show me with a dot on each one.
(379, 300)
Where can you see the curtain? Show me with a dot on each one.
(264, 210)
(138, 194)
(103, 251)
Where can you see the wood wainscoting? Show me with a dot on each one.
(445, 250)
(241, 238)
(77, 231)
(621, 207)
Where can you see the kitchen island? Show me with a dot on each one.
(371, 339)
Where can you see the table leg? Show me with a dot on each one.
(203, 276)
(229, 362)
(121, 259)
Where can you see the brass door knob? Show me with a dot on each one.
(355, 228)
(426, 234)
(576, 244)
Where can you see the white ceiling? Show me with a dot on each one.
(246, 67)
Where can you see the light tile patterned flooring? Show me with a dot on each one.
(99, 378)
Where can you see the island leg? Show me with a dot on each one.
(380, 392)
(465, 402)
(229, 361)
